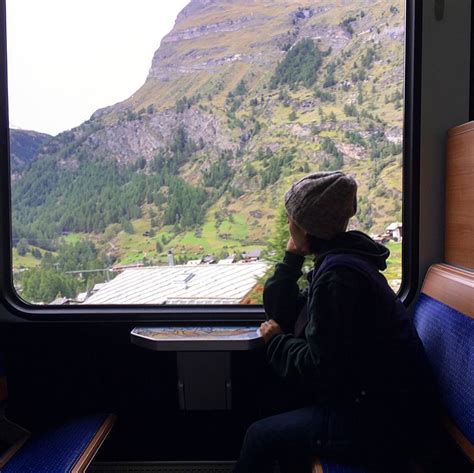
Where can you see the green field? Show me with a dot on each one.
(393, 273)
(26, 261)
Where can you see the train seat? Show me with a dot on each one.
(444, 319)
(68, 447)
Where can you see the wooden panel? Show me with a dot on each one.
(8, 455)
(459, 232)
(317, 467)
(14, 436)
(85, 459)
(464, 444)
(451, 286)
(459, 130)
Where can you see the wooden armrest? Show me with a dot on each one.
(89, 453)
(316, 466)
(13, 435)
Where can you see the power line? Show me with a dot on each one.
(106, 270)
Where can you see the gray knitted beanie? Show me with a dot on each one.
(322, 203)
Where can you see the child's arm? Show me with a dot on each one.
(282, 298)
(320, 360)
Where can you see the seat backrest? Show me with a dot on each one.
(444, 319)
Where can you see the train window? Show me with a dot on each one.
(150, 175)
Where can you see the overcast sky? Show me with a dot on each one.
(67, 58)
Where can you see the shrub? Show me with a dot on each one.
(299, 66)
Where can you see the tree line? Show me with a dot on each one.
(51, 200)
(55, 278)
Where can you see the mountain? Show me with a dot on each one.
(242, 98)
(24, 148)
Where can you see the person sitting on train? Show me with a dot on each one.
(345, 345)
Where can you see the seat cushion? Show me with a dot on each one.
(56, 450)
(448, 338)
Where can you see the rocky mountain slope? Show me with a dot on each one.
(242, 98)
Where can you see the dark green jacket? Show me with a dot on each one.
(345, 348)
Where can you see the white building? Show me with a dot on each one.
(395, 231)
(231, 259)
(200, 284)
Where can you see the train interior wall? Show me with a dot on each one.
(59, 369)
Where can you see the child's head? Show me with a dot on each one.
(322, 203)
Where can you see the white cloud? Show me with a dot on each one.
(67, 58)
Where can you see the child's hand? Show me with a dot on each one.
(298, 243)
(268, 329)
(292, 248)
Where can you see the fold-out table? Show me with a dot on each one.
(203, 356)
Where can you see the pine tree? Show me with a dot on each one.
(276, 246)
(300, 66)
(22, 247)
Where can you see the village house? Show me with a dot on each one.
(231, 259)
(395, 231)
(254, 255)
(392, 233)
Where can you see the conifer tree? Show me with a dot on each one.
(277, 244)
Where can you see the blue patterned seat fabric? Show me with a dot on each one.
(56, 450)
(448, 337)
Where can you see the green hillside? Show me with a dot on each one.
(24, 147)
(241, 100)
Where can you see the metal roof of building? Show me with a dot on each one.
(226, 261)
(393, 226)
(201, 284)
(193, 262)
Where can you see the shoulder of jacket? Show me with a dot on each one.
(339, 274)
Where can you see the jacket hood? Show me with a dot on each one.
(357, 243)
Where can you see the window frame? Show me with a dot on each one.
(127, 314)
(411, 153)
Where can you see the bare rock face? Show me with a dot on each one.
(192, 8)
(128, 140)
(171, 59)
(195, 32)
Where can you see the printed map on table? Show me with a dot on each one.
(198, 333)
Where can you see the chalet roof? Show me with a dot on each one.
(99, 286)
(227, 260)
(393, 226)
(201, 284)
(253, 254)
(59, 301)
(82, 296)
(208, 259)
(193, 262)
